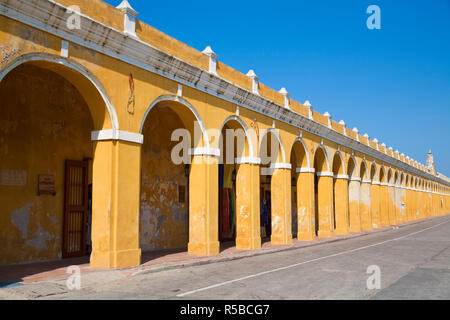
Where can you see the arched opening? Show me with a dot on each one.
(383, 198)
(271, 153)
(323, 190)
(171, 128)
(340, 195)
(365, 202)
(233, 181)
(375, 194)
(300, 164)
(48, 108)
(354, 196)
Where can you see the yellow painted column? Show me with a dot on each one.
(354, 187)
(391, 207)
(204, 205)
(433, 201)
(408, 204)
(429, 205)
(397, 203)
(115, 204)
(420, 205)
(248, 234)
(305, 203)
(384, 204)
(325, 203)
(403, 205)
(415, 211)
(281, 204)
(341, 204)
(365, 205)
(376, 199)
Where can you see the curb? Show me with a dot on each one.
(226, 259)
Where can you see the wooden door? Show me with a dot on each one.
(75, 209)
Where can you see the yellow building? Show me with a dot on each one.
(91, 100)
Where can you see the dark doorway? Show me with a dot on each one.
(76, 204)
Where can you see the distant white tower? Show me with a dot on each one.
(430, 163)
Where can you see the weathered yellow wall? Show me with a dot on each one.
(40, 112)
(119, 181)
(164, 221)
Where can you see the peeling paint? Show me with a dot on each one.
(21, 219)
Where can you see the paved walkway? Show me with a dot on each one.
(56, 271)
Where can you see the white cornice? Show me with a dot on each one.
(113, 134)
(51, 17)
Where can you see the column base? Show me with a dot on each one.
(355, 229)
(204, 248)
(248, 243)
(281, 240)
(306, 237)
(325, 234)
(115, 259)
(342, 232)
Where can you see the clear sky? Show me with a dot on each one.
(393, 83)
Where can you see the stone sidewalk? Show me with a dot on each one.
(44, 279)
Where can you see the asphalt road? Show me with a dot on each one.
(414, 263)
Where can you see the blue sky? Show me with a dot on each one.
(393, 83)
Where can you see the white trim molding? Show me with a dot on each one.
(355, 179)
(377, 183)
(325, 174)
(366, 181)
(51, 17)
(113, 134)
(305, 170)
(248, 160)
(204, 151)
(341, 176)
(280, 165)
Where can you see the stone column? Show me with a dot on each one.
(376, 219)
(403, 214)
(384, 216)
(341, 204)
(281, 204)
(325, 203)
(248, 234)
(408, 204)
(414, 204)
(365, 205)
(399, 199)
(420, 204)
(391, 207)
(115, 204)
(353, 204)
(204, 205)
(305, 204)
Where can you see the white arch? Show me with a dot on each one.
(384, 173)
(367, 168)
(29, 57)
(356, 170)
(277, 135)
(373, 164)
(184, 102)
(304, 148)
(327, 161)
(247, 134)
(392, 175)
(338, 153)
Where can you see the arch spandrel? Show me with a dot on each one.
(102, 110)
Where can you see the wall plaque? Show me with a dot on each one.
(16, 178)
(46, 184)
